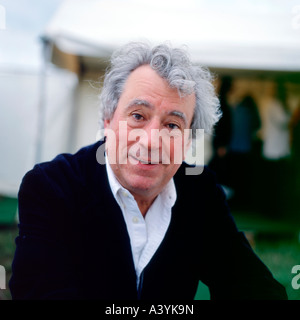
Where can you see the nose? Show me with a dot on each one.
(149, 141)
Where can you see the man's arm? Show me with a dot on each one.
(43, 264)
(237, 271)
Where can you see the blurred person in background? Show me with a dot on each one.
(276, 152)
(295, 157)
(136, 229)
(222, 135)
(245, 124)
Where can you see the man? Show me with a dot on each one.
(135, 225)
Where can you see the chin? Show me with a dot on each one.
(142, 184)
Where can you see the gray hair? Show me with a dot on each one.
(172, 64)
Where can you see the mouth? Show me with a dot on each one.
(146, 162)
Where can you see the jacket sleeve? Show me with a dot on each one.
(43, 265)
(237, 272)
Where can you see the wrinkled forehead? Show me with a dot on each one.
(146, 87)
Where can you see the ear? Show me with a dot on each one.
(187, 142)
(106, 123)
(187, 147)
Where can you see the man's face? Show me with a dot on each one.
(148, 106)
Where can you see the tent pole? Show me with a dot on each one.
(41, 121)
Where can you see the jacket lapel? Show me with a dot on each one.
(106, 240)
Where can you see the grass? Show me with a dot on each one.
(280, 255)
(8, 210)
(7, 249)
(276, 242)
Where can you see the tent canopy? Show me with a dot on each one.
(244, 34)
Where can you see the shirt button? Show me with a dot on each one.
(135, 219)
(125, 194)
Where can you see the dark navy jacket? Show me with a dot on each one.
(73, 242)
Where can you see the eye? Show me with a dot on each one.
(172, 126)
(137, 116)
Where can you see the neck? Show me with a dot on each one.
(144, 203)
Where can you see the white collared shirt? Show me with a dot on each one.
(146, 234)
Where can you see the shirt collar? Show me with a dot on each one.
(168, 194)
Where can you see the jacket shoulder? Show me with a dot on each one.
(58, 184)
(64, 169)
(191, 177)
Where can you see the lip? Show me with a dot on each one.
(144, 163)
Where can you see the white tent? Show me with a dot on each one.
(244, 34)
(232, 34)
(248, 35)
(20, 98)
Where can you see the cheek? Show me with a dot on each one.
(125, 140)
(178, 149)
(113, 132)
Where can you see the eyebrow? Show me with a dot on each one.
(178, 114)
(147, 104)
(140, 102)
